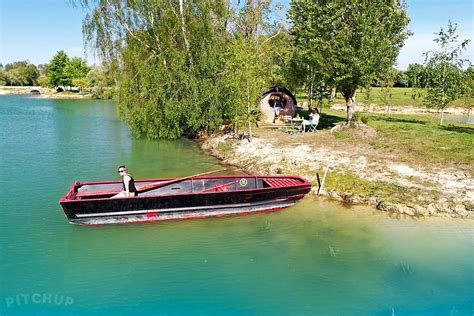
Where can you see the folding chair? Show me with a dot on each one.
(311, 128)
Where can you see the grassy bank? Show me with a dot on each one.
(416, 139)
(401, 163)
(399, 96)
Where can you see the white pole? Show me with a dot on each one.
(324, 179)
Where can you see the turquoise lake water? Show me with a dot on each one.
(316, 258)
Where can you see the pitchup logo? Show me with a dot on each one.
(38, 299)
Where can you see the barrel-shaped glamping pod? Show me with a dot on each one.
(276, 103)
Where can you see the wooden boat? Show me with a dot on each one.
(91, 203)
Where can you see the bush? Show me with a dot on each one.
(359, 117)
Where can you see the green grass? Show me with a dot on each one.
(388, 192)
(414, 138)
(400, 96)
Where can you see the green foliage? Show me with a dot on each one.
(346, 44)
(20, 73)
(401, 78)
(43, 81)
(101, 81)
(61, 70)
(3, 77)
(444, 70)
(416, 75)
(56, 75)
(244, 78)
(75, 68)
(361, 117)
(386, 82)
(178, 69)
(170, 58)
(467, 89)
(281, 70)
(81, 83)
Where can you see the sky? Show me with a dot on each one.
(35, 30)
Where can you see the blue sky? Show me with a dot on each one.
(35, 30)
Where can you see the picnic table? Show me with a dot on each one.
(287, 123)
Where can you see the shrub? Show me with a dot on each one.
(359, 117)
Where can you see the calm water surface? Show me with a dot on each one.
(314, 258)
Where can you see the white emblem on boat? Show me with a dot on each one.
(243, 182)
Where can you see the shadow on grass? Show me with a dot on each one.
(397, 120)
(458, 129)
(329, 121)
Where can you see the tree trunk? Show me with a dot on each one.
(349, 96)
(248, 111)
(350, 104)
(333, 93)
(227, 14)
(183, 29)
(442, 116)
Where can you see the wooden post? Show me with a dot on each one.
(324, 179)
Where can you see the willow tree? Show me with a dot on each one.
(346, 44)
(168, 57)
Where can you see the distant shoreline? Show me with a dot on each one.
(46, 93)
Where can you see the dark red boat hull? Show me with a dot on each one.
(196, 198)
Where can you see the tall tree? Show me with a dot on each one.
(76, 68)
(444, 69)
(56, 74)
(347, 43)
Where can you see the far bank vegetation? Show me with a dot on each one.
(190, 67)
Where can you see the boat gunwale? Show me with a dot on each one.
(67, 197)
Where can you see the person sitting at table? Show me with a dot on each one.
(313, 120)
